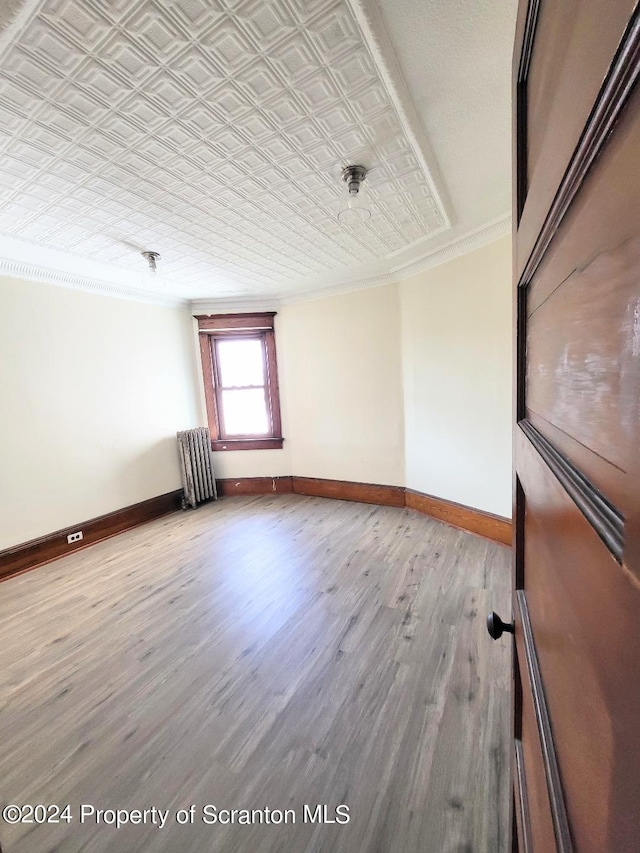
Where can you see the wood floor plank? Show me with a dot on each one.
(270, 651)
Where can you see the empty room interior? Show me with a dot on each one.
(263, 376)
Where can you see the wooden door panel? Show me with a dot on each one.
(604, 210)
(577, 425)
(582, 310)
(581, 367)
(584, 608)
(574, 42)
(583, 370)
(571, 54)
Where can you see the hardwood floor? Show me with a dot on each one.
(263, 652)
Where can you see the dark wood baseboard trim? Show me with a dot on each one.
(344, 490)
(337, 489)
(50, 547)
(472, 520)
(458, 515)
(31, 554)
(254, 486)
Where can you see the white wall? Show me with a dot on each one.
(93, 390)
(456, 356)
(341, 365)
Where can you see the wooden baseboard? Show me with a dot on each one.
(50, 547)
(344, 490)
(472, 520)
(254, 486)
(337, 489)
(458, 515)
(31, 554)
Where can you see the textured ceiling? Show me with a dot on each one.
(455, 56)
(215, 133)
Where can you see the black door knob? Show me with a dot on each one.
(496, 627)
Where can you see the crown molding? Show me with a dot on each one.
(33, 272)
(462, 245)
(493, 230)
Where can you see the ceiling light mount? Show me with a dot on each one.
(353, 176)
(152, 259)
(354, 208)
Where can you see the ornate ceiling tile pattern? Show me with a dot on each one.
(214, 132)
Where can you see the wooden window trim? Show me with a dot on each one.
(213, 328)
(229, 322)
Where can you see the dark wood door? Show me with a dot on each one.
(577, 431)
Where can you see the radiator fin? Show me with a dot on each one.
(198, 479)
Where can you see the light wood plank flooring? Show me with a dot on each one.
(261, 653)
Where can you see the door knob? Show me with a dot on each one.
(496, 627)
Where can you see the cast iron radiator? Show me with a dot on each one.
(197, 466)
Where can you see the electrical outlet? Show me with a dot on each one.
(74, 537)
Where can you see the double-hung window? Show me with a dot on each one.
(240, 381)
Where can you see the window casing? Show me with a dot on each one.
(231, 390)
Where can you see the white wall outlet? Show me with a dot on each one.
(74, 537)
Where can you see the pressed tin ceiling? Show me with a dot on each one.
(215, 133)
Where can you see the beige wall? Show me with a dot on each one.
(93, 390)
(402, 384)
(405, 384)
(341, 365)
(456, 354)
(340, 379)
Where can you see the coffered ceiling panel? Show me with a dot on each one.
(213, 132)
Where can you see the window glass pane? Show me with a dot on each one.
(245, 412)
(241, 362)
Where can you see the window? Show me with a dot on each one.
(240, 381)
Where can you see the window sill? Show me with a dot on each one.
(247, 444)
